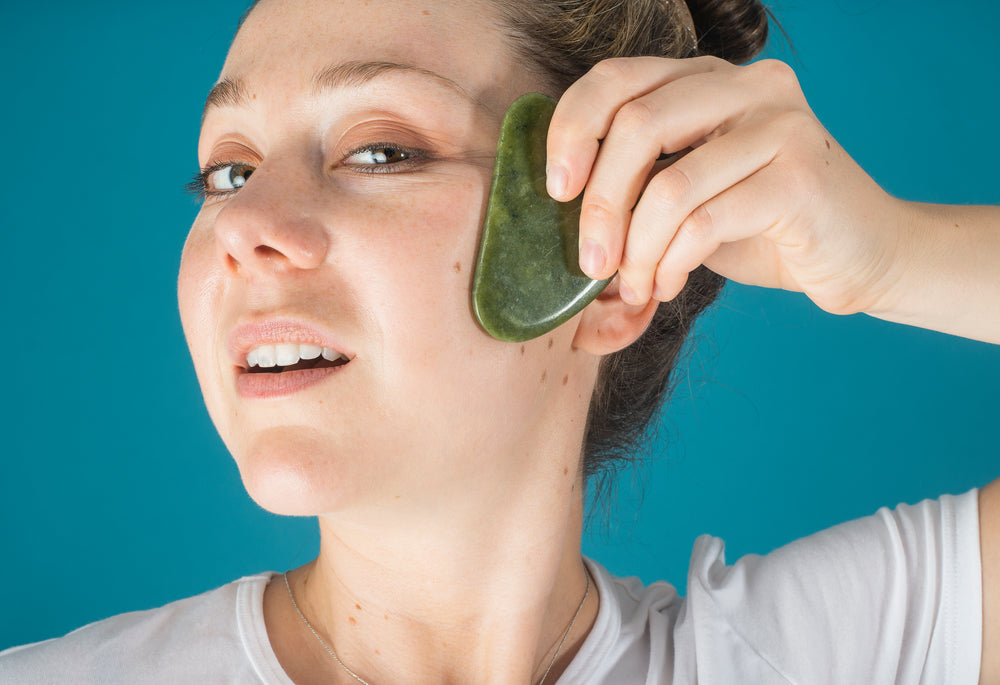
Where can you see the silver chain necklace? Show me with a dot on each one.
(365, 682)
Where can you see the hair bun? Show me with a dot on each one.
(735, 30)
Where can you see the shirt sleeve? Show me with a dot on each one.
(891, 598)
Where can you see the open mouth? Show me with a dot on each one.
(284, 357)
(299, 366)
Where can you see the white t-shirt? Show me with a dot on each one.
(891, 598)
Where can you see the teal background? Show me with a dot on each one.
(115, 492)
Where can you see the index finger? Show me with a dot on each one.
(584, 113)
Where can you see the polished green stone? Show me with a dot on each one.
(528, 279)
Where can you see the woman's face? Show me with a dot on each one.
(365, 134)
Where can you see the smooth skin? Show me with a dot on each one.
(443, 465)
(767, 197)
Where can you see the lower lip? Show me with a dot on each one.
(272, 385)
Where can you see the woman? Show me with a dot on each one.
(342, 169)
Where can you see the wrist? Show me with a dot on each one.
(904, 230)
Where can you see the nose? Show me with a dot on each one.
(271, 226)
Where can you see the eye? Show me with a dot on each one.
(228, 177)
(380, 155)
(219, 179)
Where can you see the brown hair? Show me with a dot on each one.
(562, 40)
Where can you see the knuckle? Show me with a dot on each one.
(774, 71)
(713, 63)
(597, 212)
(634, 117)
(670, 186)
(775, 82)
(613, 69)
(699, 226)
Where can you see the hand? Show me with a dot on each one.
(765, 196)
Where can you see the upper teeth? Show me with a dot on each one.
(286, 354)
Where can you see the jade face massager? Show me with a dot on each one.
(528, 279)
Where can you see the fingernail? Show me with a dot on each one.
(657, 293)
(592, 258)
(626, 292)
(555, 180)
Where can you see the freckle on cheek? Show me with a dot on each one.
(353, 620)
(551, 342)
(522, 350)
(565, 379)
(457, 267)
(545, 374)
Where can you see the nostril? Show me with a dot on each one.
(232, 263)
(266, 252)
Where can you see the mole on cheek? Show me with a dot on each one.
(551, 342)
(458, 267)
(565, 379)
(545, 374)
(353, 620)
(522, 350)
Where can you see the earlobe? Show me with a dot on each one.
(609, 324)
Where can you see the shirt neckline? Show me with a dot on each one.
(257, 645)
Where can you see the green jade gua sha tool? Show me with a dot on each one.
(528, 279)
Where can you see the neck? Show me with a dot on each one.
(481, 591)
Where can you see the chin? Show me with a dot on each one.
(288, 472)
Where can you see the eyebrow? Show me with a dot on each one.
(232, 92)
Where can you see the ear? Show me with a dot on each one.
(608, 324)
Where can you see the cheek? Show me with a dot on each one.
(199, 296)
(435, 353)
(427, 251)
(197, 287)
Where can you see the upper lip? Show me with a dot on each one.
(246, 336)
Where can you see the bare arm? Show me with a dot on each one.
(948, 273)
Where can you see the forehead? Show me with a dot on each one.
(285, 43)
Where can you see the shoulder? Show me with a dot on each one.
(892, 597)
(165, 644)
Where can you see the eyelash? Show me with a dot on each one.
(199, 185)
